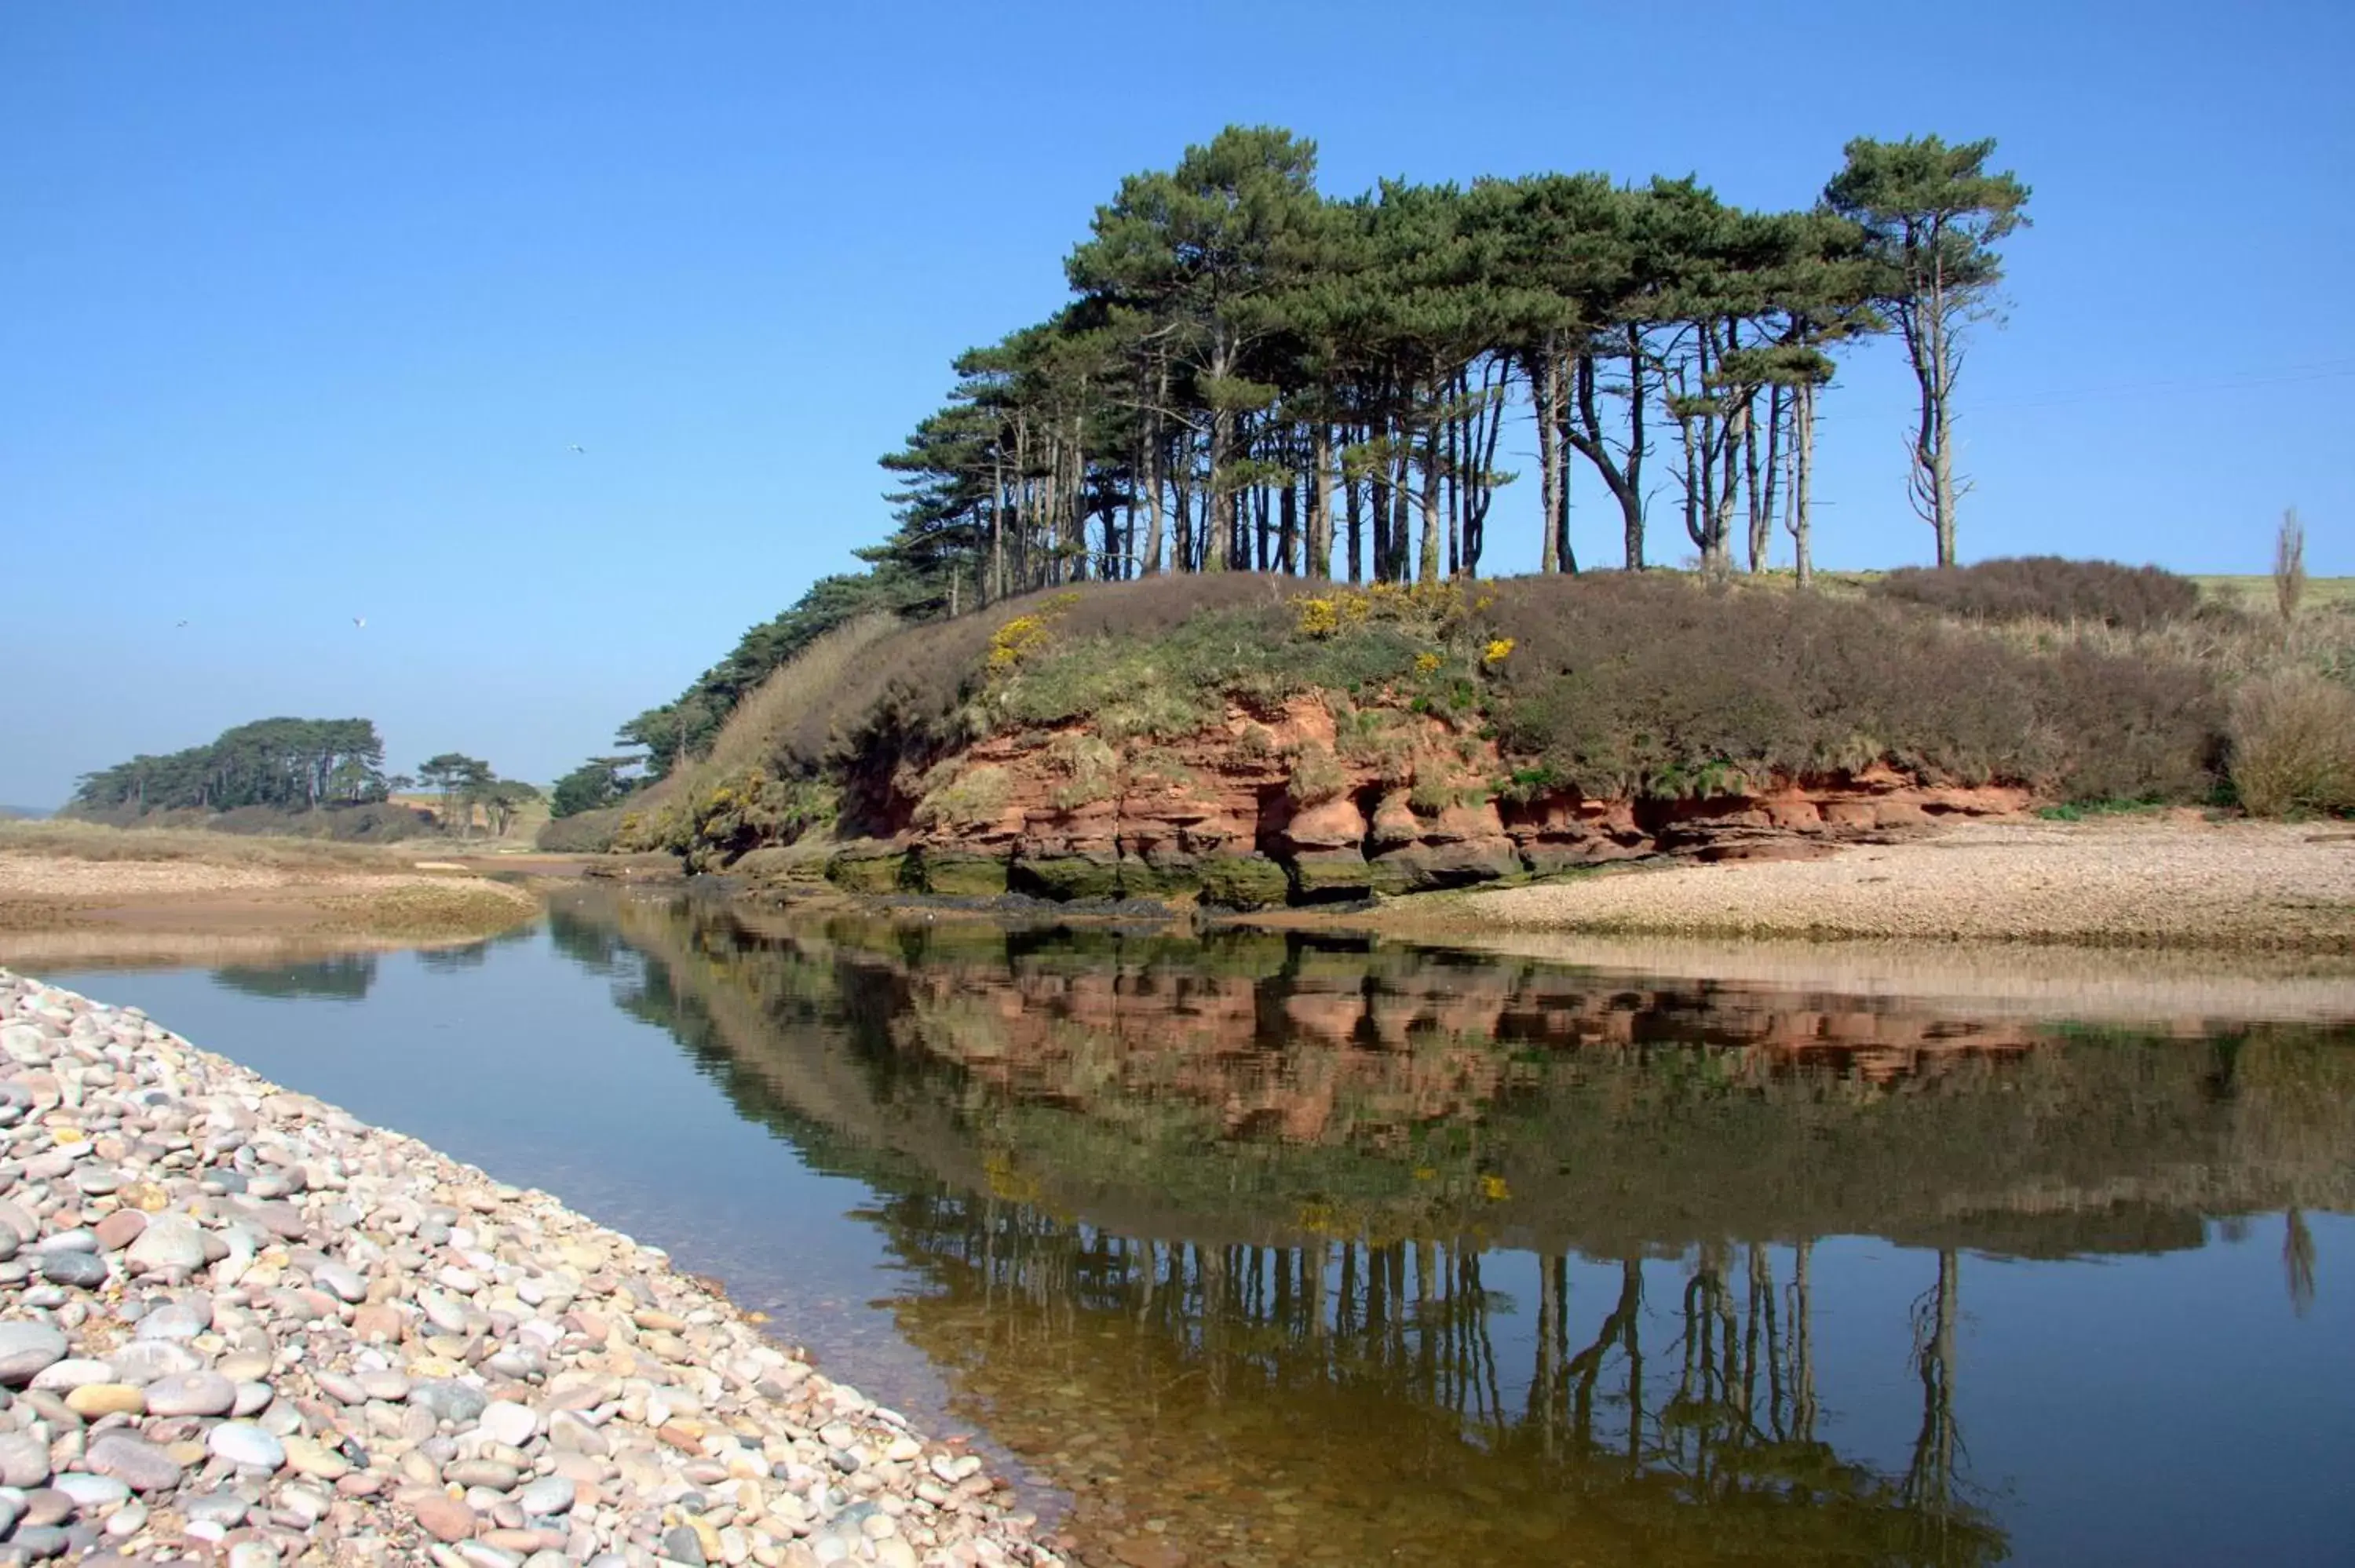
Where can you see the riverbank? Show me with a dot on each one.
(67, 890)
(2172, 881)
(238, 1324)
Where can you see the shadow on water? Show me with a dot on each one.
(1269, 1249)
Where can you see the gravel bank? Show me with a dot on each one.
(2175, 881)
(236, 1325)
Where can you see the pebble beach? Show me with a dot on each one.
(240, 1327)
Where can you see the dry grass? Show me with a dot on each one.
(2293, 744)
(805, 682)
(95, 842)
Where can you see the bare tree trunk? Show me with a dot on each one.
(1320, 500)
(1427, 561)
(1803, 461)
(1222, 430)
(1761, 482)
(1929, 341)
(1721, 525)
(1401, 499)
(1287, 535)
(1623, 480)
(1154, 451)
(1545, 389)
(1182, 541)
(1352, 500)
(1453, 477)
(1482, 453)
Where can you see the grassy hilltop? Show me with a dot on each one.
(2083, 682)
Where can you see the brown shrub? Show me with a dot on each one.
(2293, 744)
(583, 832)
(2045, 587)
(1660, 685)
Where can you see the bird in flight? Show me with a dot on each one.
(178, 625)
(582, 450)
(360, 620)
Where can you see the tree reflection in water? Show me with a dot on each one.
(1207, 1232)
(1386, 1358)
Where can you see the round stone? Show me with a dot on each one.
(243, 1442)
(94, 1399)
(191, 1394)
(26, 1348)
(64, 1376)
(82, 1270)
(459, 1404)
(169, 1242)
(24, 1459)
(145, 1360)
(91, 1491)
(39, 1541)
(486, 1473)
(443, 1517)
(504, 1421)
(308, 1458)
(224, 1509)
(119, 1229)
(177, 1321)
(135, 1462)
(547, 1498)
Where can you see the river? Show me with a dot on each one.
(1268, 1250)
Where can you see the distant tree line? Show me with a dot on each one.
(292, 764)
(295, 766)
(1253, 376)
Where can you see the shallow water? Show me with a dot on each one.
(1269, 1251)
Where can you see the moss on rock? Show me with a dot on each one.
(1244, 882)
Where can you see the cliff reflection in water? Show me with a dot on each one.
(1273, 1250)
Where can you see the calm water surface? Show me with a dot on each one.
(1278, 1251)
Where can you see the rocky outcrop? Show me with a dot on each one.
(1275, 807)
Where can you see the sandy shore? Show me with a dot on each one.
(2173, 882)
(238, 1326)
(65, 895)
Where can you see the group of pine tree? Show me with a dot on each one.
(1250, 374)
(291, 767)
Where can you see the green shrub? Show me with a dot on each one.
(958, 796)
(1316, 776)
(2046, 587)
(2293, 744)
(1090, 766)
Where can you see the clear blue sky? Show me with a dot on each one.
(302, 306)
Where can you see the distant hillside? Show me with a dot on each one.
(25, 813)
